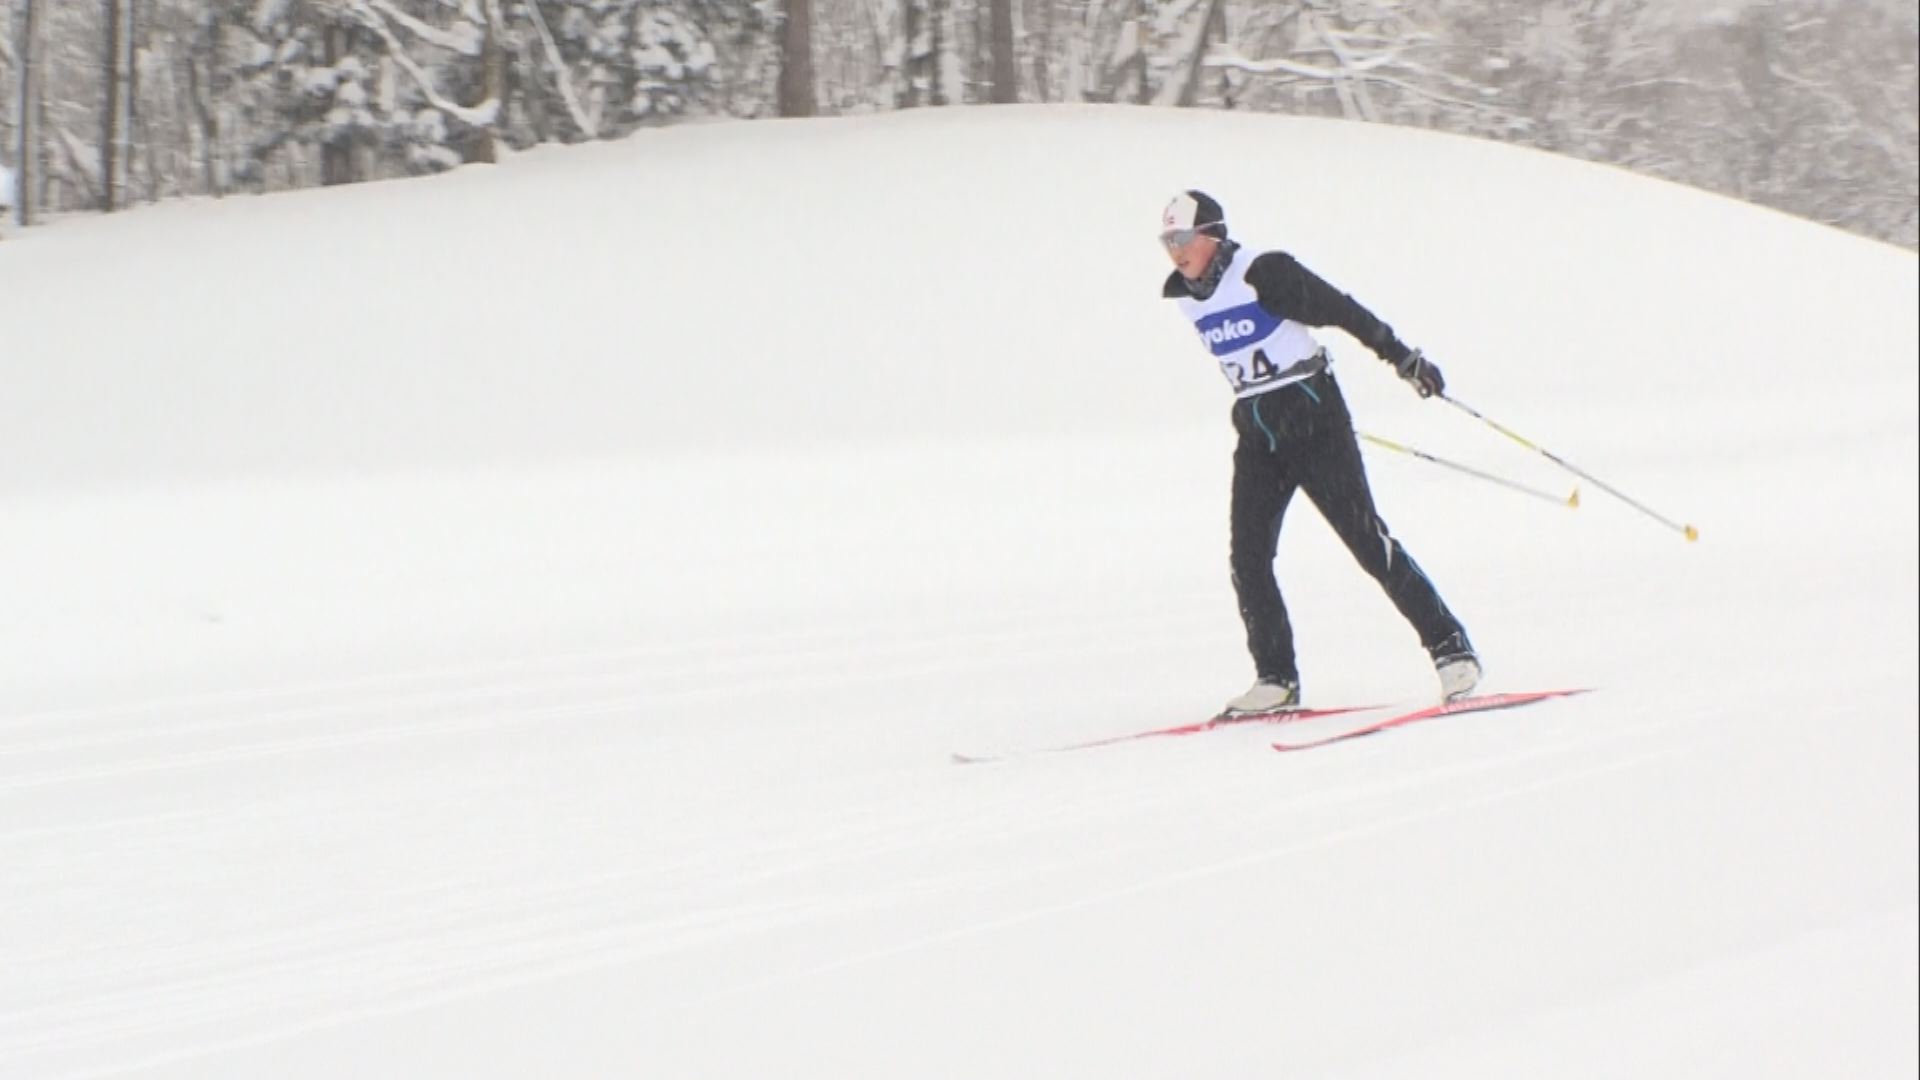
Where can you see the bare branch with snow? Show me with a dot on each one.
(581, 119)
(482, 115)
(465, 39)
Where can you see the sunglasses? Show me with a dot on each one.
(1176, 239)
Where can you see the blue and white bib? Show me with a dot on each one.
(1257, 350)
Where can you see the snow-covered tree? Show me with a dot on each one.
(620, 64)
(1374, 60)
(1783, 116)
(1808, 105)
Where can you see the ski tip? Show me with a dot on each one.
(1480, 698)
(1469, 703)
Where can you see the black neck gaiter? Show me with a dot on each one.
(1209, 279)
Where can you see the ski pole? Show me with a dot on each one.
(1572, 501)
(1687, 531)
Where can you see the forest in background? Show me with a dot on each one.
(1807, 106)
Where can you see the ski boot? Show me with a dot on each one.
(1454, 661)
(1265, 696)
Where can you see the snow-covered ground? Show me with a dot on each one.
(516, 624)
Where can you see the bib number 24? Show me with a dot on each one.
(1253, 371)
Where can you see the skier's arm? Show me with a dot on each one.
(1292, 291)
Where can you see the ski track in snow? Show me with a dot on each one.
(642, 682)
(473, 928)
(1359, 793)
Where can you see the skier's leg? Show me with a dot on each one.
(1262, 488)
(1335, 478)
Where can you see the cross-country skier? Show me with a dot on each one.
(1252, 310)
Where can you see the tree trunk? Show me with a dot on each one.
(1006, 78)
(533, 93)
(1136, 67)
(200, 93)
(479, 146)
(27, 181)
(110, 119)
(117, 122)
(1042, 85)
(936, 46)
(796, 60)
(911, 14)
(1215, 26)
(140, 121)
(337, 159)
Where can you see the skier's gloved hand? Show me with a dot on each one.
(1421, 373)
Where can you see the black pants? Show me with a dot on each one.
(1300, 438)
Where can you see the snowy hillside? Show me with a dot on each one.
(517, 622)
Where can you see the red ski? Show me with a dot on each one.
(1480, 703)
(1283, 716)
